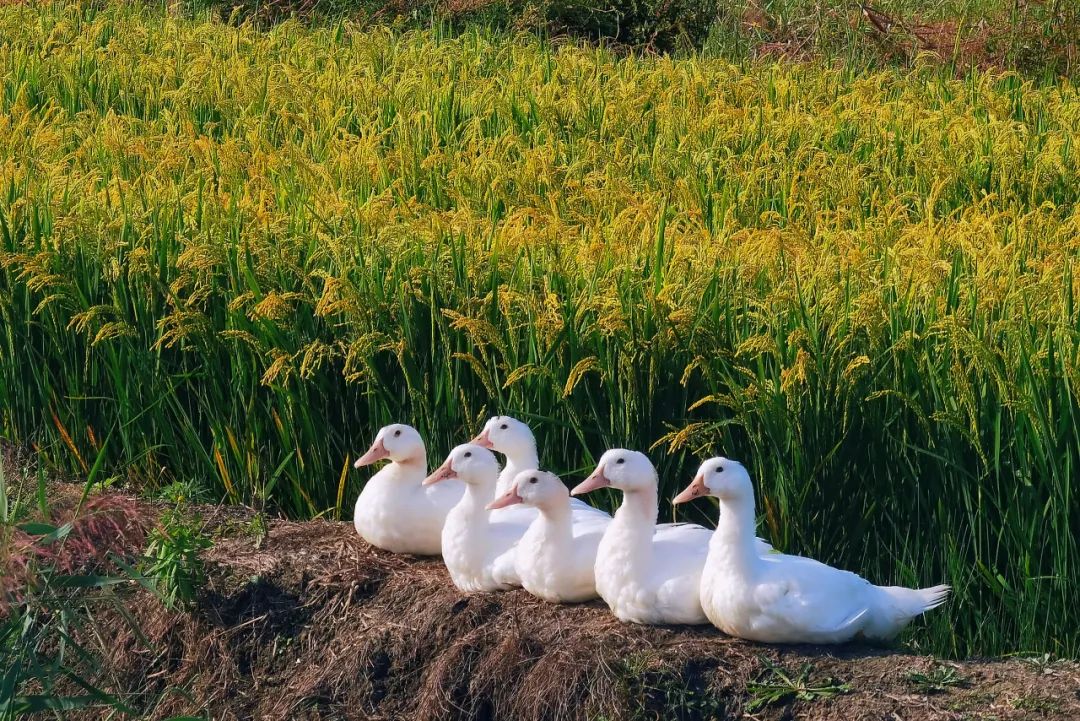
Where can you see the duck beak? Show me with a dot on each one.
(441, 474)
(695, 489)
(509, 498)
(377, 452)
(593, 482)
(483, 440)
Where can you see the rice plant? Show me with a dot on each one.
(228, 256)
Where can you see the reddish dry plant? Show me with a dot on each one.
(104, 526)
(18, 555)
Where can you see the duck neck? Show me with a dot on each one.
(524, 458)
(636, 521)
(734, 541)
(473, 503)
(401, 471)
(412, 465)
(517, 460)
(555, 528)
(639, 508)
(556, 521)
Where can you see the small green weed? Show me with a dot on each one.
(179, 492)
(667, 693)
(171, 562)
(1038, 704)
(776, 685)
(1042, 662)
(258, 529)
(939, 679)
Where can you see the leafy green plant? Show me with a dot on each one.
(1042, 662)
(178, 493)
(939, 679)
(777, 685)
(172, 562)
(258, 529)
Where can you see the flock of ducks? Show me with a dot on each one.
(519, 527)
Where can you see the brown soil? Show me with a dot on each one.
(310, 622)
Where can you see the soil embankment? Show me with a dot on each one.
(311, 622)
(307, 621)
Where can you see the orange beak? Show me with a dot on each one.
(509, 498)
(593, 482)
(696, 488)
(441, 473)
(483, 440)
(377, 452)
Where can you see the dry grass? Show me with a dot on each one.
(316, 624)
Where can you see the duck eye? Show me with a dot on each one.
(468, 454)
(719, 469)
(532, 480)
(621, 460)
(503, 426)
(397, 432)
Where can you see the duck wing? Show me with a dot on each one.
(763, 546)
(580, 506)
(679, 553)
(504, 569)
(444, 495)
(811, 602)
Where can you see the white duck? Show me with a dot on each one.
(645, 574)
(555, 557)
(477, 549)
(788, 599)
(515, 440)
(394, 511)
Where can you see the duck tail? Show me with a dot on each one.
(910, 602)
(934, 596)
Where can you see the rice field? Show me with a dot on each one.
(227, 256)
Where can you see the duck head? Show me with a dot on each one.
(721, 477)
(506, 435)
(471, 463)
(397, 442)
(620, 468)
(541, 489)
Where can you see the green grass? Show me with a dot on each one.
(227, 257)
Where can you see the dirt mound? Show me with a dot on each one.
(307, 621)
(310, 622)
